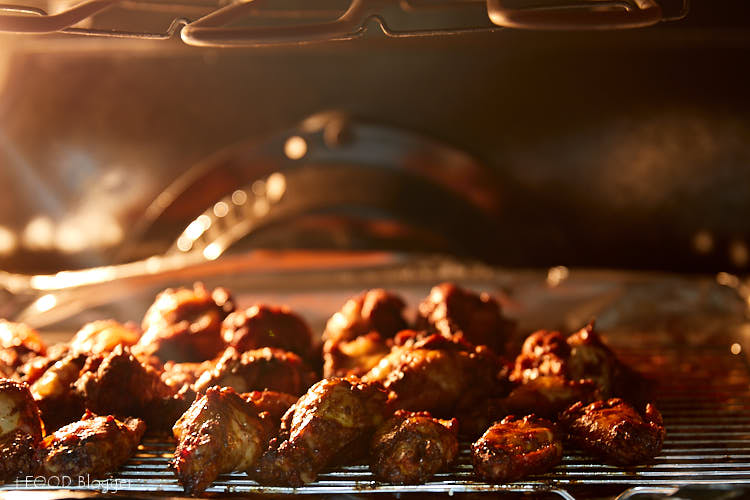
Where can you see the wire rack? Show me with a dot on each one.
(704, 396)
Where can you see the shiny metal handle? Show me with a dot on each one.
(577, 15)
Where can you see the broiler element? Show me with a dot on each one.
(18, 344)
(185, 324)
(266, 368)
(219, 433)
(93, 446)
(268, 326)
(456, 313)
(438, 375)
(358, 336)
(614, 431)
(101, 337)
(335, 417)
(21, 430)
(514, 448)
(409, 448)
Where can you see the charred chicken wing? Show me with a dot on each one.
(92, 446)
(219, 433)
(410, 448)
(54, 392)
(614, 431)
(454, 312)
(268, 326)
(335, 414)
(512, 449)
(101, 337)
(266, 368)
(185, 324)
(21, 430)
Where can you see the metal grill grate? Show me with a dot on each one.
(707, 415)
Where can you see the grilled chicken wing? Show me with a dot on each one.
(454, 312)
(268, 326)
(185, 324)
(334, 416)
(266, 368)
(101, 337)
(438, 375)
(274, 403)
(358, 336)
(54, 392)
(219, 433)
(409, 448)
(512, 449)
(179, 375)
(614, 431)
(93, 446)
(18, 344)
(21, 430)
(36, 366)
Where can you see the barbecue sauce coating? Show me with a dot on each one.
(219, 433)
(101, 337)
(18, 344)
(456, 313)
(614, 431)
(53, 391)
(334, 415)
(268, 326)
(512, 449)
(21, 430)
(409, 448)
(93, 446)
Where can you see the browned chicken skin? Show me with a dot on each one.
(21, 430)
(219, 433)
(512, 449)
(614, 431)
(274, 403)
(335, 414)
(265, 368)
(409, 448)
(454, 312)
(101, 337)
(18, 344)
(54, 392)
(268, 326)
(179, 375)
(438, 375)
(93, 446)
(185, 324)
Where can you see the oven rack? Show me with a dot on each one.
(209, 23)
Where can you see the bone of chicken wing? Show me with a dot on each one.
(454, 312)
(614, 431)
(268, 326)
(93, 446)
(101, 337)
(21, 430)
(358, 336)
(18, 344)
(266, 368)
(514, 448)
(334, 415)
(219, 433)
(185, 324)
(438, 375)
(409, 448)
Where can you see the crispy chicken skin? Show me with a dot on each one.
(334, 415)
(544, 353)
(18, 344)
(358, 336)
(179, 375)
(438, 375)
(219, 433)
(101, 337)
(93, 446)
(547, 396)
(268, 326)
(35, 367)
(454, 312)
(274, 403)
(185, 324)
(54, 392)
(515, 448)
(21, 430)
(265, 368)
(614, 431)
(409, 448)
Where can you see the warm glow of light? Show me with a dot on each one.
(703, 242)
(8, 241)
(221, 209)
(295, 147)
(45, 302)
(261, 207)
(736, 348)
(212, 251)
(275, 187)
(193, 231)
(239, 197)
(739, 254)
(39, 234)
(557, 275)
(727, 279)
(184, 244)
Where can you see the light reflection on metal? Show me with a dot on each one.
(221, 209)
(212, 251)
(275, 187)
(703, 242)
(735, 348)
(739, 254)
(45, 302)
(556, 275)
(239, 197)
(8, 241)
(39, 234)
(295, 147)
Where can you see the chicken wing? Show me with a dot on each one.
(219, 433)
(265, 368)
(514, 448)
(454, 312)
(334, 415)
(93, 446)
(614, 431)
(409, 448)
(18, 344)
(21, 430)
(185, 325)
(274, 403)
(101, 337)
(59, 403)
(268, 326)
